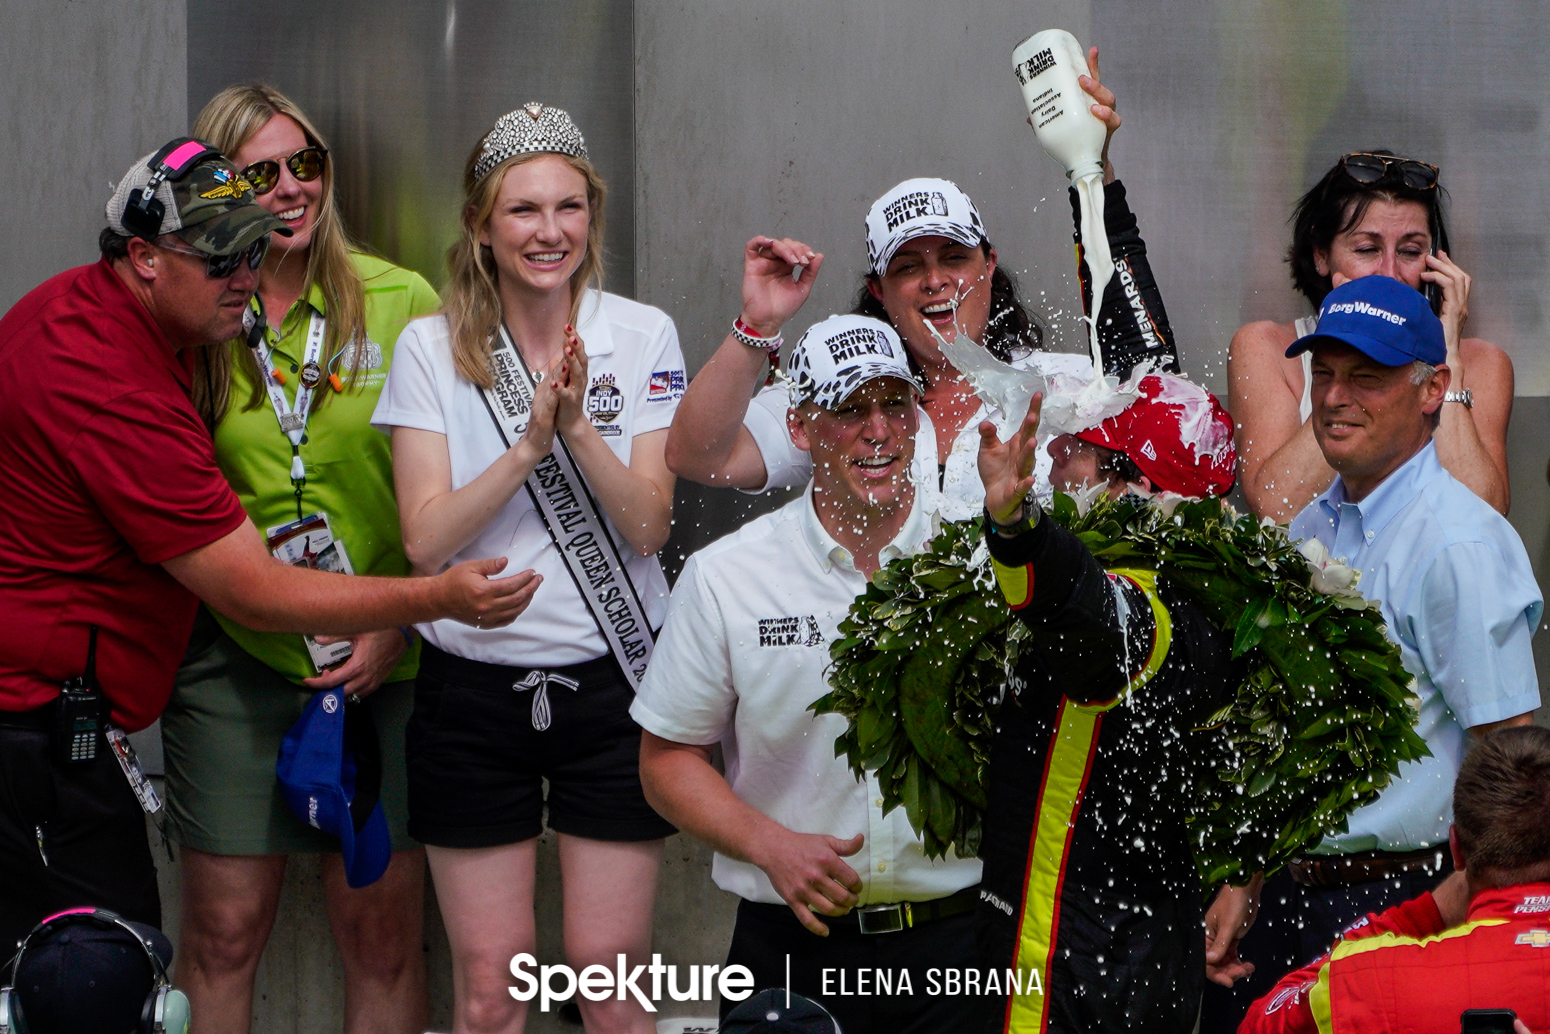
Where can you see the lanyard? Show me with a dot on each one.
(293, 417)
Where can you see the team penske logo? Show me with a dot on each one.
(790, 631)
(1534, 903)
(1534, 938)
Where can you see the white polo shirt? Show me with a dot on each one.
(742, 656)
(956, 493)
(636, 377)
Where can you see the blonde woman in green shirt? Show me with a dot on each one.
(239, 690)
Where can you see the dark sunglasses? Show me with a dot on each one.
(1372, 168)
(306, 165)
(219, 267)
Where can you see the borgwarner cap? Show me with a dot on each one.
(841, 353)
(330, 771)
(920, 208)
(211, 207)
(1177, 434)
(1383, 318)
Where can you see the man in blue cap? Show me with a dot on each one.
(1455, 587)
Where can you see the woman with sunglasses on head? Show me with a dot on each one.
(327, 316)
(1373, 212)
(528, 421)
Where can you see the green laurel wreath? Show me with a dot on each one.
(1317, 727)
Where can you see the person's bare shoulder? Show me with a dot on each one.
(1263, 336)
(1259, 348)
(1490, 358)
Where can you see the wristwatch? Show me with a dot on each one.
(1465, 396)
(1028, 521)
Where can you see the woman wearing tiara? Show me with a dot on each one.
(529, 421)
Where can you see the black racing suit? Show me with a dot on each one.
(1133, 325)
(1089, 879)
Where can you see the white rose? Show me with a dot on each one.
(1331, 578)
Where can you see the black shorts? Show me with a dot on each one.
(477, 763)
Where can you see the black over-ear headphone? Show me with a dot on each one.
(144, 210)
(166, 1009)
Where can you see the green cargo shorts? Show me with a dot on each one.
(221, 733)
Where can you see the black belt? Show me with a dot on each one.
(1346, 870)
(40, 719)
(891, 918)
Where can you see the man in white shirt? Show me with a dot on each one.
(826, 879)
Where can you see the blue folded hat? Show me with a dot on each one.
(1383, 318)
(330, 770)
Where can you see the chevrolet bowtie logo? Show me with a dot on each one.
(1536, 938)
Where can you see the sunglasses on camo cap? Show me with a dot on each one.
(306, 165)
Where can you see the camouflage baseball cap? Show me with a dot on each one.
(211, 206)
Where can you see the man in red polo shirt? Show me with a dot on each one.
(115, 518)
(1419, 965)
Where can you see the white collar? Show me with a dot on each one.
(828, 552)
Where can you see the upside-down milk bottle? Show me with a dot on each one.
(1047, 65)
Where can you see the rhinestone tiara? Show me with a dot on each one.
(533, 128)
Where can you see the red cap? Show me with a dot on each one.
(1177, 433)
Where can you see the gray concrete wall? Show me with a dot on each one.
(87, 87)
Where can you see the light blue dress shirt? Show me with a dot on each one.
(1456, 589)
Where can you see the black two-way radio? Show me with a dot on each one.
(81, 713)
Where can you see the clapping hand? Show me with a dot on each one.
(544, 417)
(1006, 468)
(570, 384)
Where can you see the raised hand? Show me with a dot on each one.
(1006, 468)
(772, 294)
(1102, 108)
(1455, 283)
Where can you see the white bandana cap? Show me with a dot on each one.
(838, 355)
(920, 208)
(533, 128)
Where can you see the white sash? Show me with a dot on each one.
(560, 494)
